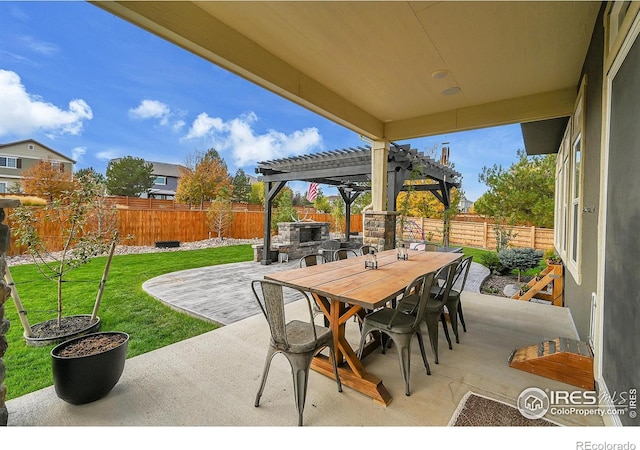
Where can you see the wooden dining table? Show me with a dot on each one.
(346, 288)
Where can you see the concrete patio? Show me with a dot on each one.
(212, 379)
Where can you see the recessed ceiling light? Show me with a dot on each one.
(453, 90)
(440, 74)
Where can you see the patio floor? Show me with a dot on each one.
(212, 379)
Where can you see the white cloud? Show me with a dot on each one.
(23, 114)
(204, 126)
(246, 147)
(106, 155)
(154, 109)
(42, 47)
(77, 153)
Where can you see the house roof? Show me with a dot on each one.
(166, 169)
(392, 70)
(25, 141)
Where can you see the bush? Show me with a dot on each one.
(519, 259)
(492, 262)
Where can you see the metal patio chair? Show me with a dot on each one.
(299, 341)
(401, 327)
(312, 260)
(344, 253)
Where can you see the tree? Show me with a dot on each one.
(321, 203)
(204, 178)
(283, 210)
(338, 212)
(78, 240)
(91, 172)
(129, 176)
(522, 194)
(46, 179)
(241, 187)
(519, 259)
(256, 194)
(359, 204)
(220, 215)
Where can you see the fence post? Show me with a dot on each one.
(533, 237)
(485, 235)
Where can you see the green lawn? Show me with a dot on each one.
(125, 307)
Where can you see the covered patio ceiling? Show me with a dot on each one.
(393, 70)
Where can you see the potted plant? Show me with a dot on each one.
(86, 228)
(86, 368)
(551, 257)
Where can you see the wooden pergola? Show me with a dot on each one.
(349, 170)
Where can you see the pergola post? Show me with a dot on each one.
(271, 189)
(379, 156)
(348, 197)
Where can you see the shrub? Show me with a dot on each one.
(491, 261)
(519, 259)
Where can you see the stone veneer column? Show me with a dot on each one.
(380, 229)
(5, 293)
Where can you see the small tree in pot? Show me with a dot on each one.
(87, 228)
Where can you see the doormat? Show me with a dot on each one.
(476, 410)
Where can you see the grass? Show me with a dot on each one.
(125, 307)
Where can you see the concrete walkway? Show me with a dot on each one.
(216, 293)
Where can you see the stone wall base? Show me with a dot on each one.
(380, 229)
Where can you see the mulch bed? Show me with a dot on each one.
(68, 326)
(91, 345)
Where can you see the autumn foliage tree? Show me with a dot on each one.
(204, 178)
(46, 179)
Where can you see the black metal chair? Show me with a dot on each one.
(297, 340)
(401, 327)
(453, 303)
(328, 248)
(439, 292)
(312, 260)
(344, 253)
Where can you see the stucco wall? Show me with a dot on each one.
(621, 308)
(578, 296)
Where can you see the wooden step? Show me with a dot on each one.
(566, 360)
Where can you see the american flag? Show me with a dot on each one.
(312, 193)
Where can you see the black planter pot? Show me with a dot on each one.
(84, 379)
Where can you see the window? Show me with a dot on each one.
(575, 198)
(6, 161)
(161, 181)
(569, 179)
(3, 188)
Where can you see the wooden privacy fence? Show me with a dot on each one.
(147, 226)
(480, 235)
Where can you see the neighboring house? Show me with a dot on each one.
(166, 182)
(465, 205)
(16, 157)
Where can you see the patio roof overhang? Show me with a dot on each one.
(391, 70)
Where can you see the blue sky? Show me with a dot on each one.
(94, 87)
